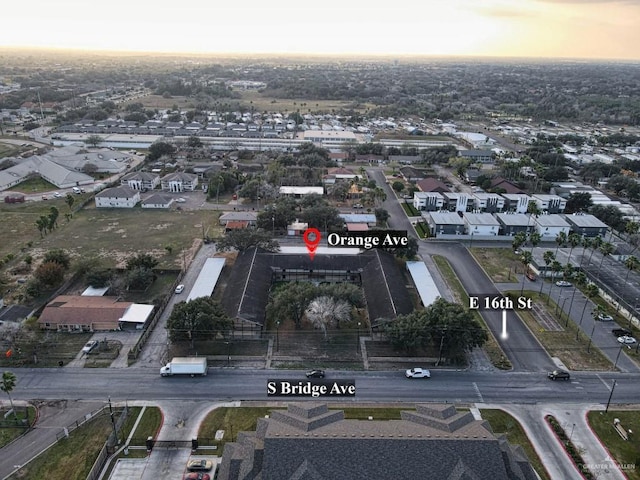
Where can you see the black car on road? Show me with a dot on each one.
(621, 332)
(315, 374)
(559, 375)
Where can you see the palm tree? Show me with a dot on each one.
(632, 263)
(519, 239)
(595, 313)
(526, 260)
(596, 243)
(548, 258)
(606, 249)
(580, 280)
(586, 243)
(7, 386)
(574, 241)
(561, 240)
(591, 291)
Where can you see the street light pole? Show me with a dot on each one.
(591, 336)
(610, 395)
(615, 364)
(358, 339)
(277, 336)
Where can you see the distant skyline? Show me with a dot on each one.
(587, 29)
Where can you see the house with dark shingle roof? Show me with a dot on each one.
(117, 197)
(434, 442)
(247, 292)
(141, 180)
(431, 184)
(506, 185)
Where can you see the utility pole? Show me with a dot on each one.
(113, 423)
(610, 395)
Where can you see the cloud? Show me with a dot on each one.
(633, 3)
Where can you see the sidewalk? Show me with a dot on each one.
(546, 444)
(53, 417)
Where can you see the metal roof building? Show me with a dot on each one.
(424, 283)
(207, 279)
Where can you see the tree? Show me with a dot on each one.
(578, 202)
(324, 312)
(290, 301)
(139, 278)
(194, 142)
(90, 168)
(606, 249)
(7, 386)
(525, 259)
(49, 274)
(246, 238)
(398, 186)
(519, 240)
(98, 278)
(69, 200)
(444, 324)
(548, 258)
(575, 240)
(58, 256)
(632, 263)
(409, 252)
(158, 149)
(202, 317)
(381, 216)
(41, 224)
(93, 140)
(143, 260)
(323, 217)
(53, 218)
(561, 241)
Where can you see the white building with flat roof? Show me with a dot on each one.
(481, 224)
(549, 226)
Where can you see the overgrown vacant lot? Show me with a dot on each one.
(114, 234)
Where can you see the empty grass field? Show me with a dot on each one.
(625, 453)
(117, 234)
(500, 264)
(8, 150)
(265, 103)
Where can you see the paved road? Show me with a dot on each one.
(521, 347)
(250, 384)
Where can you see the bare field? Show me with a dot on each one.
(158, 101)
(262, 103)
(114, 234)
(8, 150)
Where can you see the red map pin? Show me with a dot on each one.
(311, 239)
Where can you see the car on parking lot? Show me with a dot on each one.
(197, 476)
(181, 200)
(626, 340)
(199, 465)
(621, 332)
(315, 374)
(604, 318)
(563, 283)
(417, 373)
(559, 375)
(89, 346)
(179, 289)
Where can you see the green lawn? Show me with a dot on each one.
(495, 353)
(502, 422)
(500, 264)
(8, 150)
(148, 426)
(34, 185)
(49, 348)
(71, 458)
(9, 433)
(625, 452)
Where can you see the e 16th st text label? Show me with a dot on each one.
(499, 302)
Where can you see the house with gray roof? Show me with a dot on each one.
(179, 182)
(432, 442)
(141, 180)
(587, 225)
(117, 197)
(512, 223)
(481, 224)
(245, 216)
(44, 167)
(549, 226)
(157, 200)
(444, 223)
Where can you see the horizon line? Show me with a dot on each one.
(323, 55)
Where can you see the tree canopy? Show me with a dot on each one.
(201, 318)
(443, 324)
(246, 238)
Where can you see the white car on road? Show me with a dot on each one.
(626, 340)
(417, 373)
(180, 289)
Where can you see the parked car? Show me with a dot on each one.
(605, 318)
(197, 476)
(315, 374)
(89, 346)
(621, 332)
(179, 289)
(199, 465)
(417, 373)
(626, 340)
(44, 197)
(531, 276)
(562, 283)
(181, 200)
(559, 375)
(57, 194)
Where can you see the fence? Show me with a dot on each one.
(78, 423)
(132, 355)
(109, 446)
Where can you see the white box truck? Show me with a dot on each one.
(185, 366)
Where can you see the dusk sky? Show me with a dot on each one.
(606, 29)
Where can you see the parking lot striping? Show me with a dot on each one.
(605, 383)
(475, 385)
